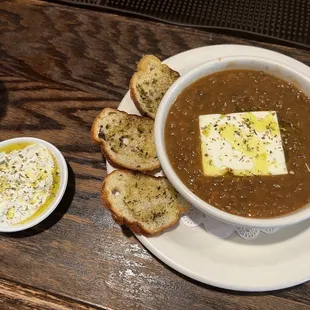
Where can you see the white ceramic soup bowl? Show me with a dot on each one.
(272, 67)
(63, 170)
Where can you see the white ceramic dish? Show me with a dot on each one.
(63, 169)
(269, 262)
(267, 65)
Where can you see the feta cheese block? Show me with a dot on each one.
(242, 144)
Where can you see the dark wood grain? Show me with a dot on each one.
(59, 66)
(16, 296)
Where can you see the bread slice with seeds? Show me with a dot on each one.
(148, 205)
(149, 84)
(126, 140)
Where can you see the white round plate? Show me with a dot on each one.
(267, 263)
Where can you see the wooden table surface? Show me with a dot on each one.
(59, 66)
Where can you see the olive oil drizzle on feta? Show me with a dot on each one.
(29, 181)
(251, 138)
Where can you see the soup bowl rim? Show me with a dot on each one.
(270, 66)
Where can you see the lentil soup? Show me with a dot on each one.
(233, 91)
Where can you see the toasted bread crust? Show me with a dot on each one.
(110, 156)
(142, 68)
(101, 114)
(135, 226)
(122, 211)
(134, 98)
(117, 164)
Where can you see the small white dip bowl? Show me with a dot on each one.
(63, 170)
(272, 67)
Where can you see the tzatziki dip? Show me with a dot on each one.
(29, 181)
